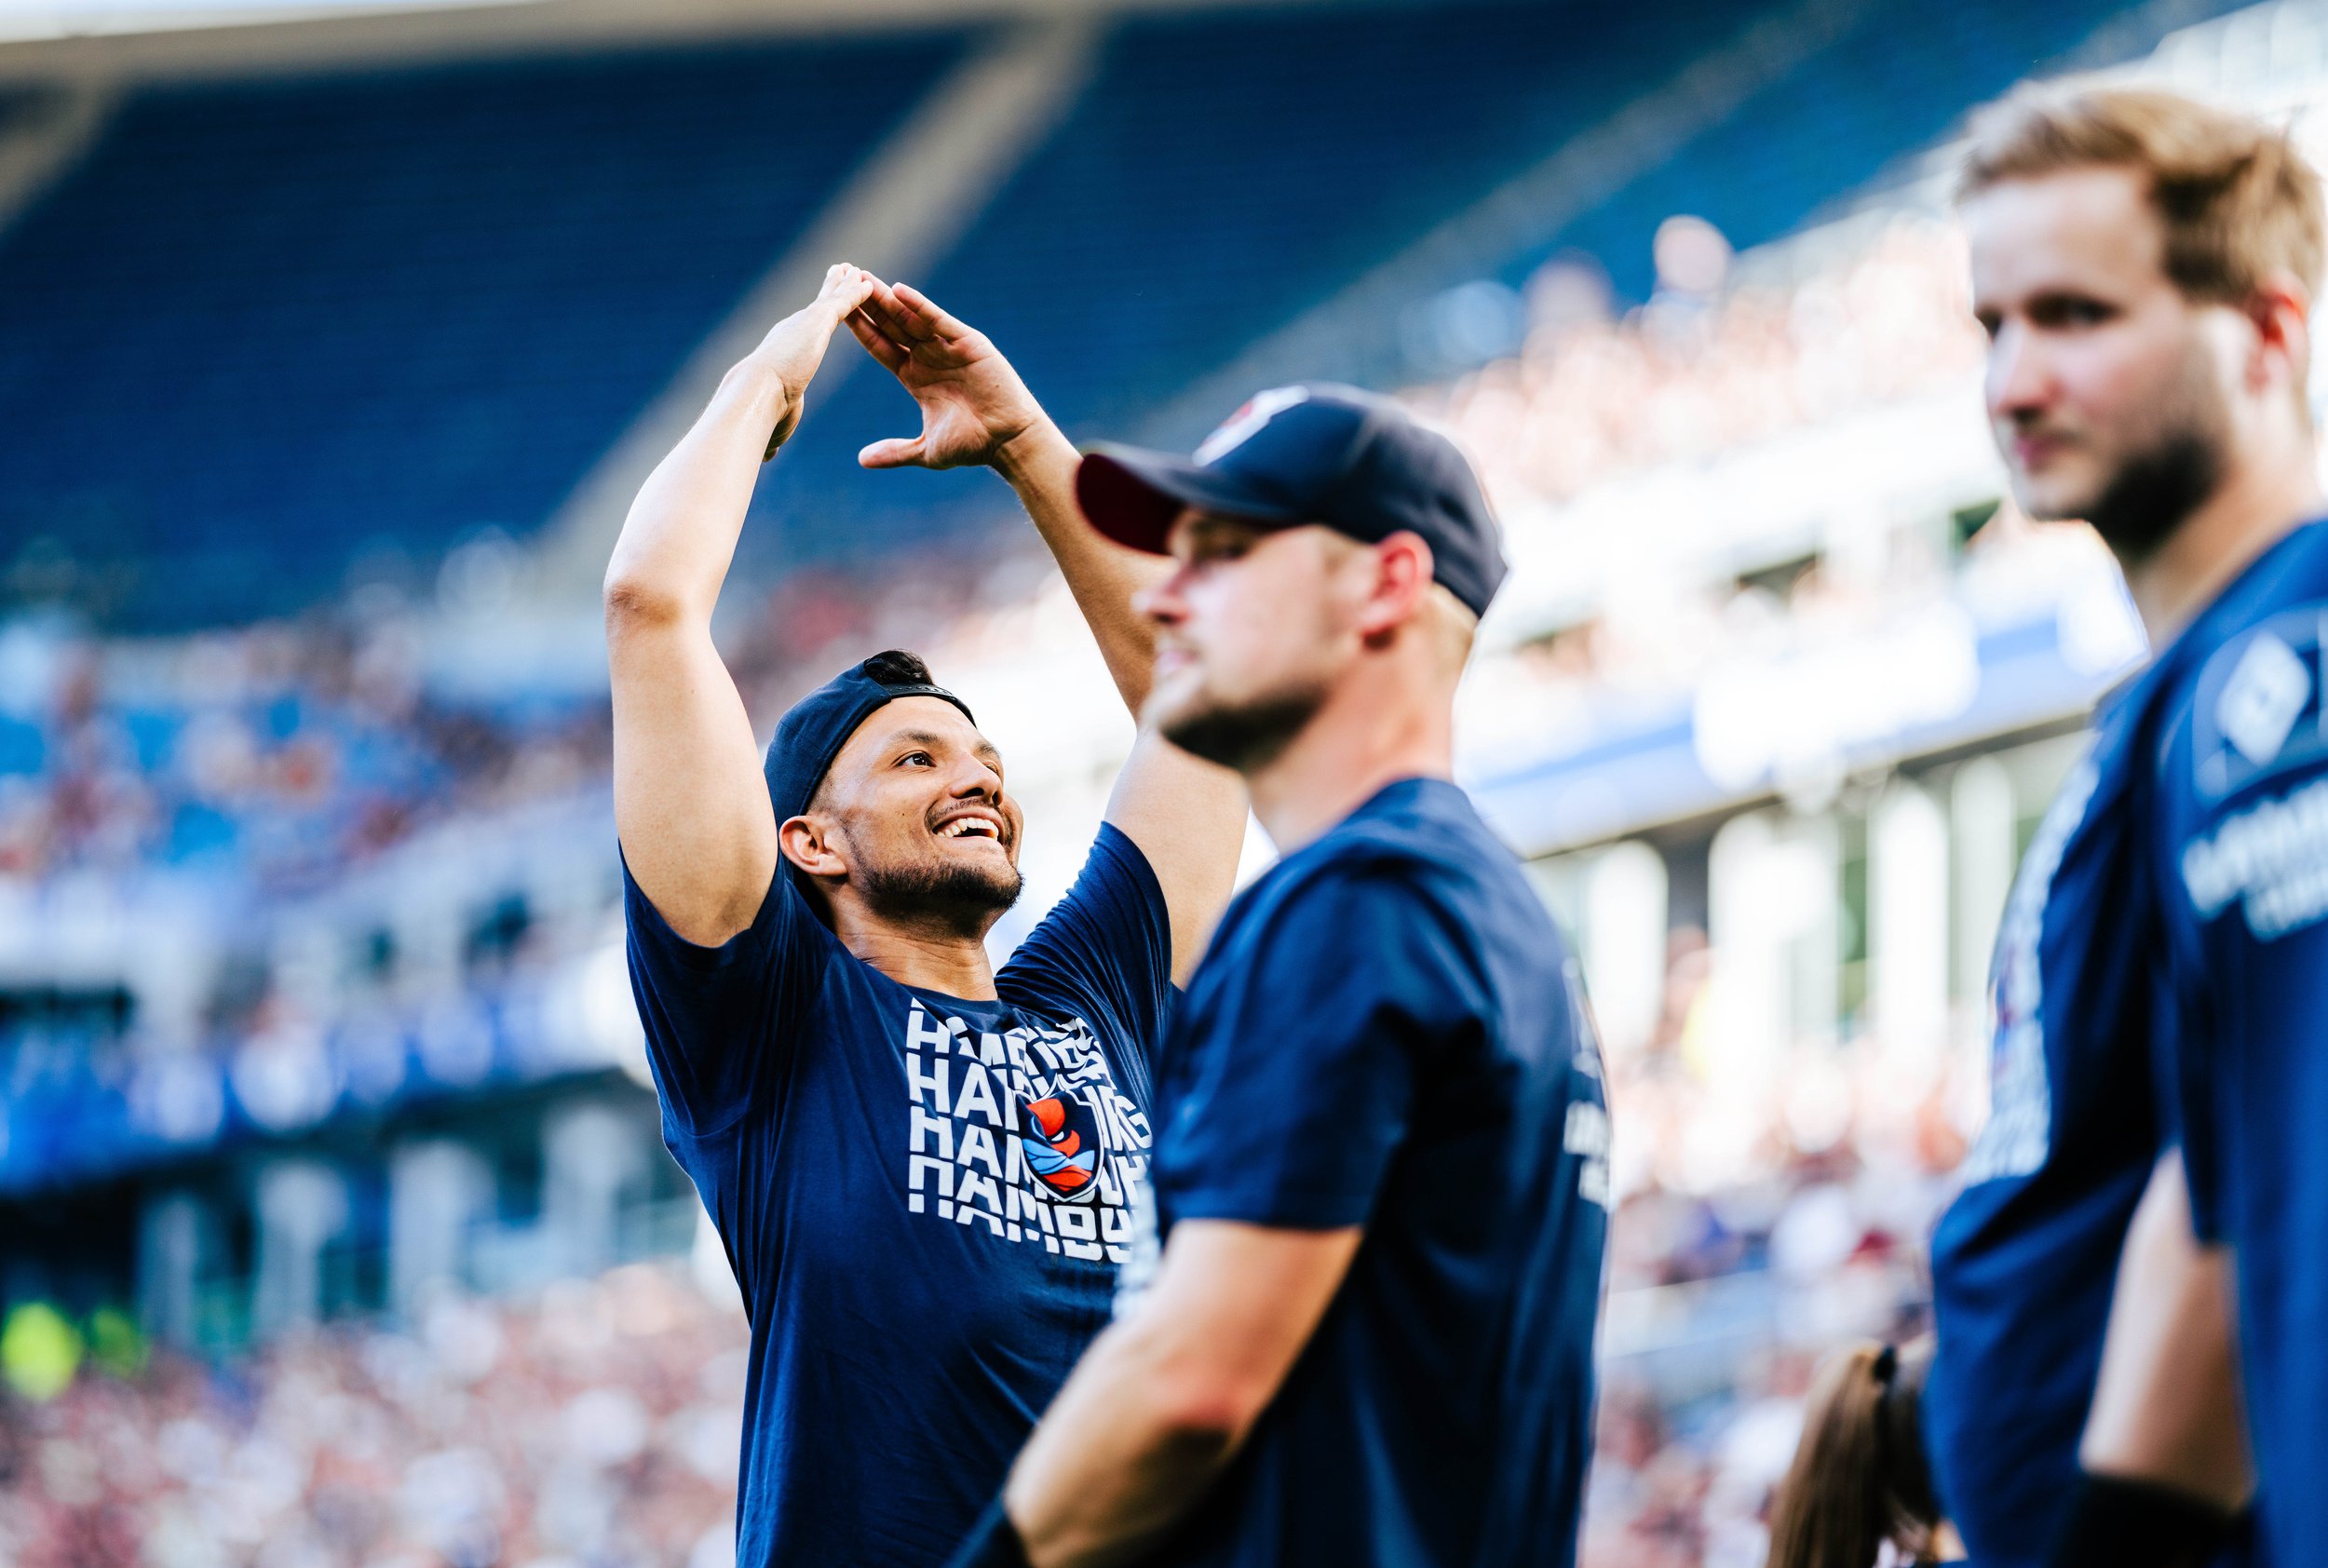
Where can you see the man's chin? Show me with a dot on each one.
(957, 892)
(1244, 738)
(2053, 497)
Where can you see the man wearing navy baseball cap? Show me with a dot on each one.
(923, 1170)
(1359, 1327)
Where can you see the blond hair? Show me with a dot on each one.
(2238, 201)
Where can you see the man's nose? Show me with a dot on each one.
(976, 776)
(2019, 379)
(1162, 601)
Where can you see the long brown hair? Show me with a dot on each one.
(1859, 1478)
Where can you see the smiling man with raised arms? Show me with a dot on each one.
(923, 1170)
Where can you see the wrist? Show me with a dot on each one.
(756, 383)
(1035, 453)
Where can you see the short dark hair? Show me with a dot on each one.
(897, 668)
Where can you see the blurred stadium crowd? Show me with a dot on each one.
(594, 1422)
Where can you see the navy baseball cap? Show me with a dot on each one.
(1353, 462)
(814, 729)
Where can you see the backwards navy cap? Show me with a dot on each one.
(814, 729)
(1358, 464)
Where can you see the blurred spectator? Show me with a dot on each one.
(596, 1425)
(1698, 372)
(277, 755)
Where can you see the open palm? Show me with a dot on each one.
(973, 404)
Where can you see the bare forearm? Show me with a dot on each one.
(2167, 1408)
(679, 537)
(1113, 1464)
(1041, 465)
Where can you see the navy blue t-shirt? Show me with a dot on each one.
(1387, 1031)
(2243, 844)
(926, 1199)
(2025, 1259)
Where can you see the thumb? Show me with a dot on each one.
(895, 453)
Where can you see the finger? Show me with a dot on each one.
(925, 308)
(877, 341)
(903, 325)
(848, 291)
(895, 453)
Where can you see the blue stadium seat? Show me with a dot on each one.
(268, 324)
(1220, 174)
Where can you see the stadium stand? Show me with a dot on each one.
(1145, 246)
(251, 294)
(269, 326)
(1220, 173)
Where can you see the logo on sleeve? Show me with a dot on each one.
(2268, 688)
(2258, 708)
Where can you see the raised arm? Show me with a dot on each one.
(1187, 817)
(690, 804)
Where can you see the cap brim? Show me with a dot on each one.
(1132, 495)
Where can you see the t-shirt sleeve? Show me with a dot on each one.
(713, 1015)
(1106, 946)
(1310, 1064)
(2243, 793)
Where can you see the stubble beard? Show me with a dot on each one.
(1244, 736)
(949, 894)
(2171, 474)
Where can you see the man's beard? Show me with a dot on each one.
(2153, 491)
(1243, 737)
(946, 892)
(2160, 483)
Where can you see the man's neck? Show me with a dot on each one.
(950, 962)
(2247, 516)
(1364, 737)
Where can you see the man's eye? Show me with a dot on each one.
(920, 757)
(2072, 313)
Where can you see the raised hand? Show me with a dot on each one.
(795, 346)
(973, 404)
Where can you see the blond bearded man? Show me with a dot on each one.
(2145, 267)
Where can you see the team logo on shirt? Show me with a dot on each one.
(1061, 1139)
(1024, 1134)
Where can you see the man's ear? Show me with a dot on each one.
(2281, 311)
(1403, 580)
(803, 842)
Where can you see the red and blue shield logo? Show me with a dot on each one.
(1061, 1139)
